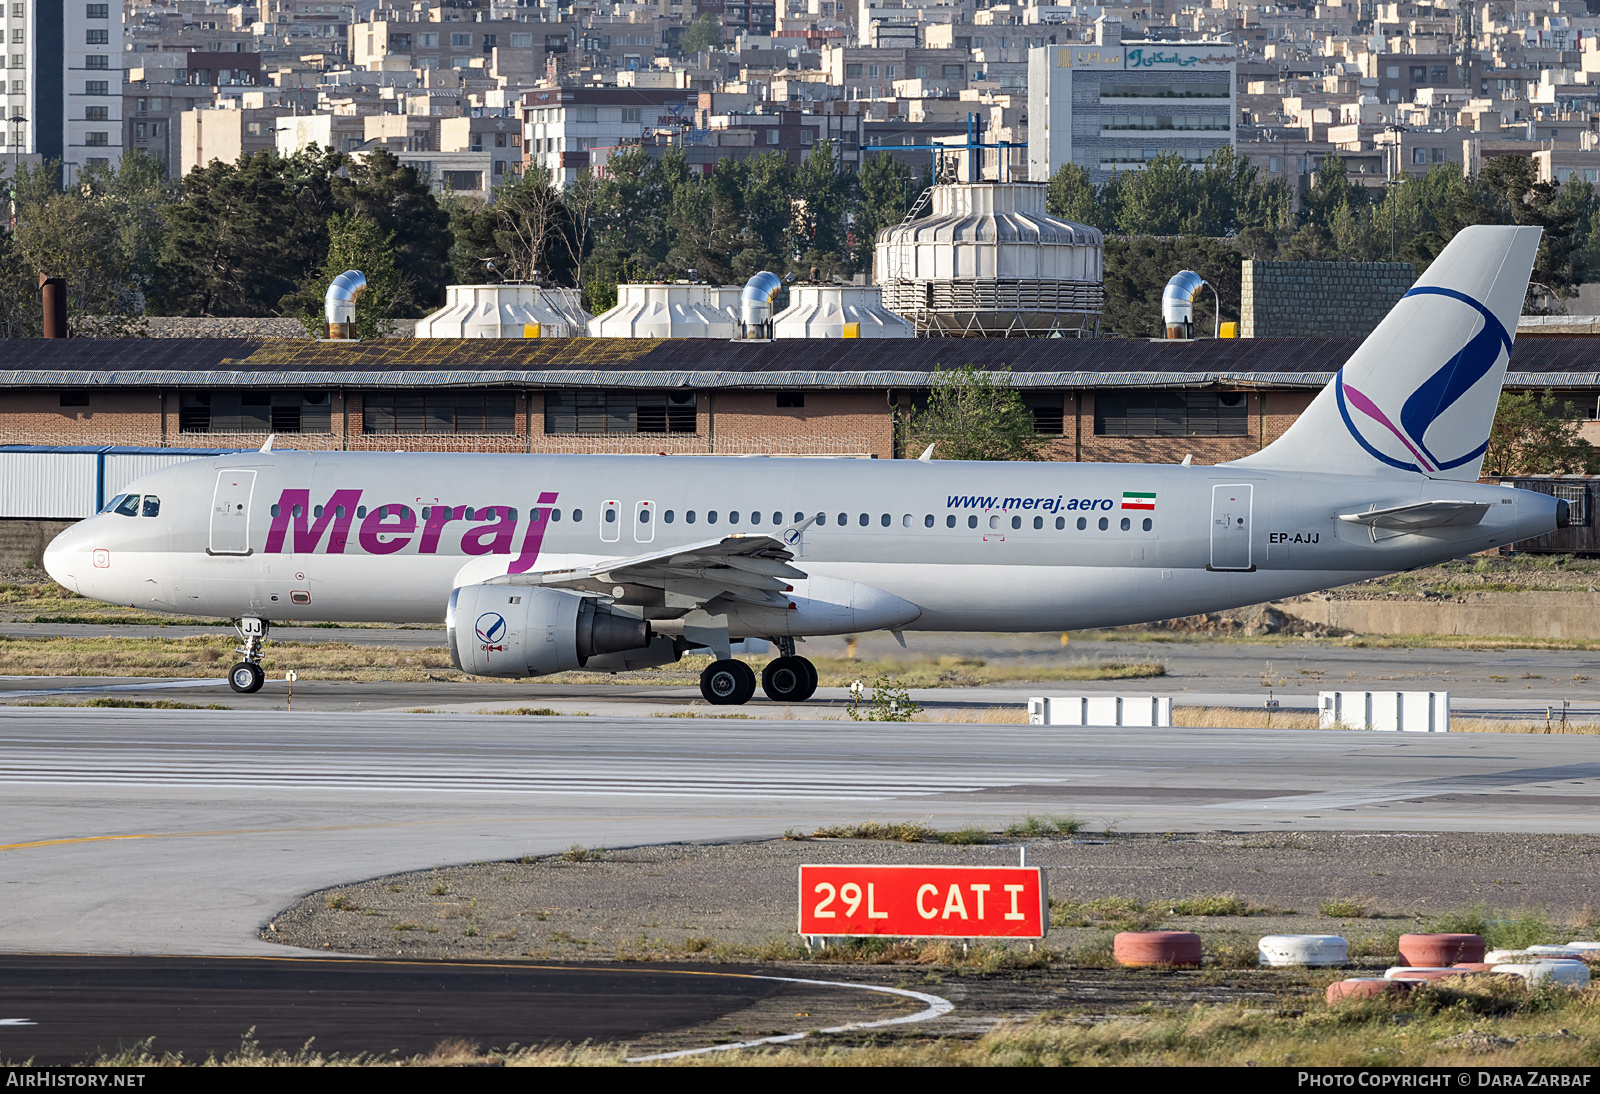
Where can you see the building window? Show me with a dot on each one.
(1048, 417)
(97, 60)
(254, 412)
(428, 41)
(17, 38)
(459, 40)
(521, 41)
(96, 140)
(1438, 155)
(630, 115)
(97, 114)
(1439, 74)
(17, 59)
(619, 412)
(1419, 155)
(439, 412)
(852, 72)
(772, 136)
(1171, 414)
(97, 37)
(1419, 73)
(97, 87)
(97, 11)
(952, 72)
(140, 131)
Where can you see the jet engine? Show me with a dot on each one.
(520, 630)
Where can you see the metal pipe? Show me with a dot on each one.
(54, 293)
(755, 304)
(340, 303)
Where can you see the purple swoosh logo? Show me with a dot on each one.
(1370, 409)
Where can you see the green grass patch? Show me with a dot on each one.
(1501, 930)
(1047, 825)
(1340, 908)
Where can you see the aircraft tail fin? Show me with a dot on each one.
(1419, 395)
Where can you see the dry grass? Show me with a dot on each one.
(209, 655)
(1478, 1023)
(201, 655)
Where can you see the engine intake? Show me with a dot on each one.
(512, 630)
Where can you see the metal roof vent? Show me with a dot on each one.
(340, 304)
(1177, 304)
(755, 304)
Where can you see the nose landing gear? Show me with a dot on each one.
(247, 676)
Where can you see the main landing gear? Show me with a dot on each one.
(787, 679)
(247, 676)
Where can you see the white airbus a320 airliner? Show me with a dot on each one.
(540, 564)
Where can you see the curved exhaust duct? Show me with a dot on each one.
(755, 304)
(339, 306)
(1177, 304)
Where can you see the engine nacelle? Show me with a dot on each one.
(521, 630)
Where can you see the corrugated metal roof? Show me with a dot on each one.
(710, 363)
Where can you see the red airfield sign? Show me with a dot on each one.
(924, 901)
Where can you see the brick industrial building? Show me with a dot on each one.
(1095, 399)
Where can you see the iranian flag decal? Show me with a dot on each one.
(1134, 499)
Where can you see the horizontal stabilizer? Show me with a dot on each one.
(1421, 515)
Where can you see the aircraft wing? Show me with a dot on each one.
(1421, 515)
(753, 568)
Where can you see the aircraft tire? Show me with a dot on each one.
(246, 678)
(789, 680)
(728, 683)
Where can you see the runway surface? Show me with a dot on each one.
(183, 832)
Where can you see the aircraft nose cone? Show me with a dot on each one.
(62, 559)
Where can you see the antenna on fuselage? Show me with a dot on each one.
(267, 447)
(927, 453)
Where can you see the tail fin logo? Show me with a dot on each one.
(1404, 443)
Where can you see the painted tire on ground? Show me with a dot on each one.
(1156, 949)
(1366, 987)
(1435, 950)
(1403, 972)
(1571, 974)
(1500, 957)
(1474, 966)
(1303, 949)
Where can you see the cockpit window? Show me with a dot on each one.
(113, 503)
(152, 506)
(129, 506)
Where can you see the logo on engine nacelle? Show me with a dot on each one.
(491, 627)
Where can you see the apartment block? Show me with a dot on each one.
(63, 78)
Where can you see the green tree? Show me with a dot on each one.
(971, 415)
(355, 242)
(1071, 195)
(244, 235)
(1537, 435)
(885, 189)
(377, 186)
(101, 235)
(704, 33)
(823, 193)
(522, 233)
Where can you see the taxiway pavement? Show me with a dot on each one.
(183, 832)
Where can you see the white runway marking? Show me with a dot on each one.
(936, 1008)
